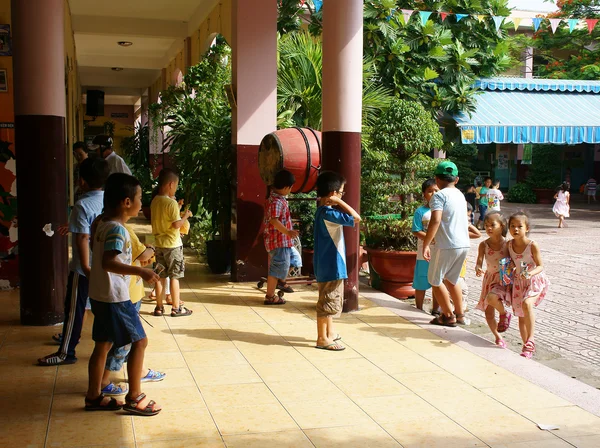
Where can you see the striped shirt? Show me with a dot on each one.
(591, 186)
(276, 207)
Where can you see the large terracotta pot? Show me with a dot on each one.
(544, 195)
(307, 262)
(396, 271)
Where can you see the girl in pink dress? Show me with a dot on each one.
(493, 293)
(530, 283)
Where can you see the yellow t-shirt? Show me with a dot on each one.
(165, 211)
(136, 285)
(463, 271)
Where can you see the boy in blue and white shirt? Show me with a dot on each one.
(330, 255)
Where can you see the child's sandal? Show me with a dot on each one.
(180, 312)
(159, 311)
(504, 323)
(528, 350)
(131, 406)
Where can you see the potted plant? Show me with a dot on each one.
(544, 172)
(395, 164)
(303, 207)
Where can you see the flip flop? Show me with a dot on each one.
(337, 338)
(331, 347)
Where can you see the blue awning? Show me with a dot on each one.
(533, 111)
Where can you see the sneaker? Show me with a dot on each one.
(56, 359)
(153, 376)
(112, 389)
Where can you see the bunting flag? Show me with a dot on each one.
(459, 17)
(443, 15)
(302, 2)
(554, 24)
(424, 17)
(536, 22)
(572, 24)
(318, 5)
(591, 23)
(406, 13)
(480, 17)
(498, 21)
(516, 22)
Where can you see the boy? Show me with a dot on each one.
(279, 235)
(419, 228)
(116, 320)
(474, 233)
(449, 226)
(494, 196)
(330, 255)
(92, 175)
(166, 225)
(483, 201)
(590, 189)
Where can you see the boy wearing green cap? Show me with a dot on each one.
(449, 226)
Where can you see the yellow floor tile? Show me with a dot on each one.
(291, 372)
(584, 441)
(231, 395)
(175, 425)
(287, 439)
(494, 429)
(326, 413)
(377, 385)
(160, 361)
(525, 397)
(550, 443)
(314, 355)
(342, 369)
(404, 363)
(213, 375)
(229, 357)
(23, 430)
(90, 428)
(572, 420)
(176, 378)
(315, 389)
(253, 419)
(388, 409)
(203, 442)
(363, 436)
(174, 399)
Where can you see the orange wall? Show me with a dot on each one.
(7, 106)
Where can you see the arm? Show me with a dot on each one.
(537, 258)
(334, 200)
(82, 243)
(111, 264)
(181, 222)
(434, 225)
(556, 196)
(420, 234)
(568, 195)
(283, 229)
(474, 232)
(480, 256)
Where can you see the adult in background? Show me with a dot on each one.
(80, 153)
(590, 189)
(116, 164)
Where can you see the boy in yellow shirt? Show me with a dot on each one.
(166, 227)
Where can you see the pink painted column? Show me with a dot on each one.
(342, 115)
(255, 85)
(40, 110)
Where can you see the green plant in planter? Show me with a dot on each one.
(136, 152)
(304, 211)
(390, 233)
(545, 167)
(521, 193)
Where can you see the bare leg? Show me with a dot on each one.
(160, 292)
(490, 317)
(322, 326)
(271, 285)
(435, 306)
(495, 302)
(441, 294)
(523, 330)
(529, 319)
(175, 293)
(135, 365)
(331, 334)
(96, 369)
(419, 298)
(455, 292)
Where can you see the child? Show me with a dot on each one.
(530, 284)
(419, 229)
(330, 255)
(483, 201)
(590, 189)
(92, 175)
(474, 233)
(166, 225)
(494, 196)
(279, 235)
(450, 227)
(471, 198)
(561, 207)
(493, 293)
(116, 320)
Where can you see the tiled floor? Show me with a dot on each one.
(240, 374)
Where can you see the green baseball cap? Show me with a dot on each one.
(446, 167)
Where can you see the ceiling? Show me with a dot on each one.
(157, 29)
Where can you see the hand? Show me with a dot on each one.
(187, 214)
(479, 272)
(427, 253)
(180, 203)
(292, 233)
(333, 200)
(149, 276)
(87, 271)
(526, 275)
(63, 230)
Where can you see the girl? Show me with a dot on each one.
(530, 283)
(493, 292)
(561, 207)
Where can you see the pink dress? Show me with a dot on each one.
(522, 289)
(491, 280)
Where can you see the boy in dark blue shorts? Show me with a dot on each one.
(116, 320)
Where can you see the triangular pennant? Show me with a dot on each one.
(392, 12)
(459, 17)
(554, 24)
(318, 5)
(443, 15)
(302, 2)
(572, 24)
(424, 17)
(536, 22)
(516, 22)
(591, 23)
(406, 13)
(480, 17)
(498, 21)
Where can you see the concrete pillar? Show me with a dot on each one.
(254, 48)
(528, 62)
(40, 109)
(342, 115)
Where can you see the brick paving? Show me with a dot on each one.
(568, 320)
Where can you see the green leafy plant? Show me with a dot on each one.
(303, 212)
(545, 167)
(521, 193)
(136, 152)
(463, 156)
(390, 233)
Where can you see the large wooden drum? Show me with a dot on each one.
(297, 150)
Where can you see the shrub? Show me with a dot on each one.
(390, 233)
(521, 193)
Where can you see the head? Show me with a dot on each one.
(518, 225)
(487, 182)
(495, 224)
(93, 173)
(283, 182)
(496, 184)
(104, 145)
(168, 182)
(80, 151)
(122, 196)
(330, 183)
(429, 188)
(446, 174)
(469, 210)
(565, 186)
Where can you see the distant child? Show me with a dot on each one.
(116, 320)
(530, 284)
(330, 255)
(449, 226)
(474, 233)
(419, 228)
(166, 225)
(590, 189)
(92, 175)
(494, 196)
(471, 197)
(493, 293)
(279, 235)
(483, 201)
(561, 207)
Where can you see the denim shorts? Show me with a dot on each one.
(281, 259)
(118, 323)
(117, 356)
(482, 211)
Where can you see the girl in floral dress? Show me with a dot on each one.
(493, 293)
(530, 284)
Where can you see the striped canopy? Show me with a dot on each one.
(513, 110)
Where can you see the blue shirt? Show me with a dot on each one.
(420, 224)
(330, 250)
(453, 232)
(83, 214)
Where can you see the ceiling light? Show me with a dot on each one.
(117, 69)
(125, 43)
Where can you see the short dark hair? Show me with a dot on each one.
(486, 178)
(446, 178)
(469, 207)
(94, 172)
(119, 186)
(428, 183)
(329, 181)
(283, 179)
(79, 145)
(166, 176)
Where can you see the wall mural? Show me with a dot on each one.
(9, 237)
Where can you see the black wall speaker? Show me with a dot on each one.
(94, 106)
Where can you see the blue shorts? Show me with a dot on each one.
(482, 211)
(281, 259)
(118, 323)
(117, 356)
(420, 282)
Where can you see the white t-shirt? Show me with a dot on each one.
(494, 197)
(107, 286)
(116, 164)
(453, 232)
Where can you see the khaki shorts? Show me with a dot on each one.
(173, 261)
(331, 297)
(446, 264)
